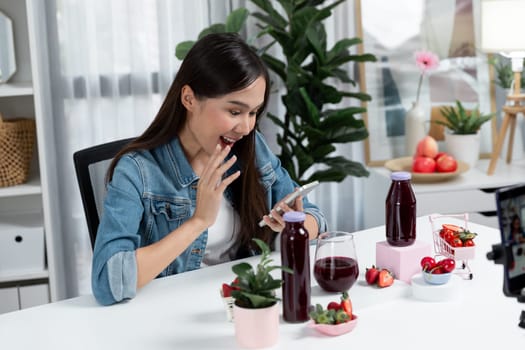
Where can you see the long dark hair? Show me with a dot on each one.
(218, 64)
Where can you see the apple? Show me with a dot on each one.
(427, 147)
(423, 165)
(439, 155)
(446, 164)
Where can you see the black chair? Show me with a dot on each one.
(90, 166)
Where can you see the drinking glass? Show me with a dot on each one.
(335, 267)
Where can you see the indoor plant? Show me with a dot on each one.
(256, 311)
(308, 130)
(503, 88)
(463, 125)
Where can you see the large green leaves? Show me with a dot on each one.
(234, 23)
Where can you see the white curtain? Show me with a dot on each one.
(111, 65)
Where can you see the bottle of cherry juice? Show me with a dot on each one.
(295, 254)
(400, 210)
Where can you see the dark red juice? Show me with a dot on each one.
(336, 274)
(400, 210)
(295, 254)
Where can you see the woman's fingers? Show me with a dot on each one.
(214, 171)
(276, 222)
(214, 163)
(227, 181)
(298, 204)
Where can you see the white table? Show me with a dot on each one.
(186, 312)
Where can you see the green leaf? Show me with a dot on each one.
(338, 166)
(322, 151)
(342, 59)
(359, 95)
(263, 246)
(236, 19)
(242, 269)
(259, 301)
(317, 41)
(313, 112)
(277, 66)
(214, 28)
(340, 74)
(182, 49)
(334, 119)
(272, 16)
(341, 47)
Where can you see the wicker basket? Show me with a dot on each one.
(17, 140)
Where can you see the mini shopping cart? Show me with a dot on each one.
(442, 248)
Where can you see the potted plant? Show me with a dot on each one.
(504, 84)
(462, 140)
(308, 69)
(256, 308)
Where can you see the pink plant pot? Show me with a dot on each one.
(256, 328)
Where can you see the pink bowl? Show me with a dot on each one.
(334, 329)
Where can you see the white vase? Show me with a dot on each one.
(414, 128)
(464, 147)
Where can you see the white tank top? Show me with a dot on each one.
(221, 235)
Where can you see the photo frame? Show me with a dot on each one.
(393, 31)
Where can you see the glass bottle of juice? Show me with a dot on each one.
(295, 254)
(400, 210)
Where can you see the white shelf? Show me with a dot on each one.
(24, 276)
(31, 187)
(17, 220)
(16, 89)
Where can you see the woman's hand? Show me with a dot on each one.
(212, 185)
(276, 222)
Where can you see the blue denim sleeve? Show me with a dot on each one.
(283, 183)
(114, 266)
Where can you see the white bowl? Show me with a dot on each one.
(433, 278)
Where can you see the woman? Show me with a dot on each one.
(517, 235)
(192, 188)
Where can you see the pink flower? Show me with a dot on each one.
(426, 61)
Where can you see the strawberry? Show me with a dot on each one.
(346, 304)
(226, 290)
(385, 278)
(334, 305)
(371, 275)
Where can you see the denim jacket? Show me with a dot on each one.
(151, 194)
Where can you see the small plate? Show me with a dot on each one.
(334, 329)
(405, 164)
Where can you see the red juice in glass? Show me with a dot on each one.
(335, 267)
(336, 274)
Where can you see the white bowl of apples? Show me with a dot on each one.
(428, 164)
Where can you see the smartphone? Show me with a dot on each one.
(302, 191)
(510, 202)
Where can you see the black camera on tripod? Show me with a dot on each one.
(510, 252)
(501, 254)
